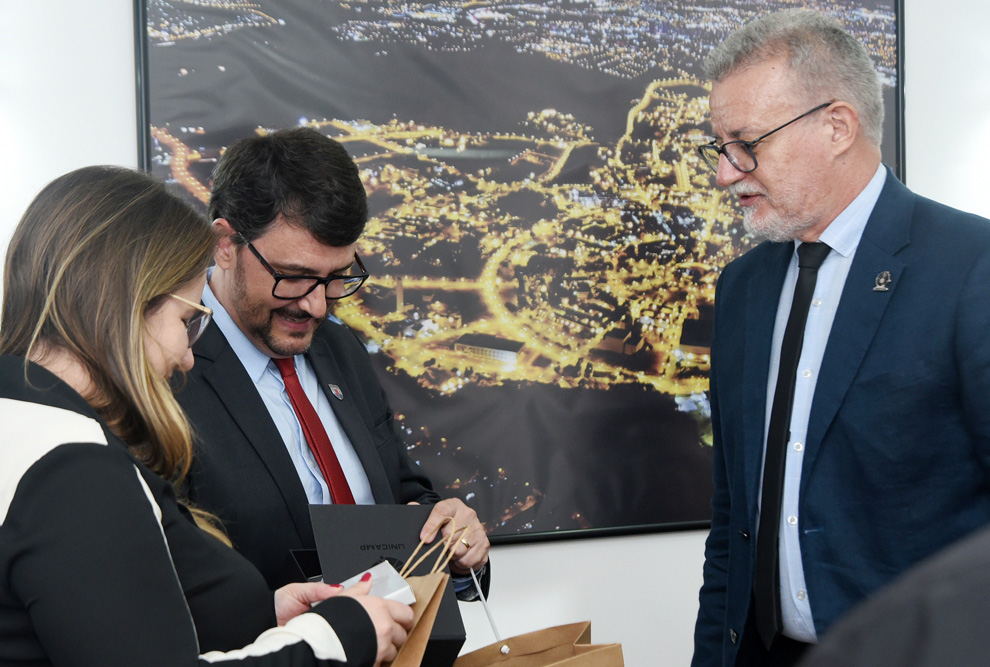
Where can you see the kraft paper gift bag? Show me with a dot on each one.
(352, 538)
(567, 645)
(428, 590)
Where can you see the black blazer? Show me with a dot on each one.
(242, 471)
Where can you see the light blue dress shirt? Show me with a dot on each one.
(843, 236)
(268, 382)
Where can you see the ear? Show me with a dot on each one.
(844, 122)
(226, 249)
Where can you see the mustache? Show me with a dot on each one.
(739, 189)
(294, 312)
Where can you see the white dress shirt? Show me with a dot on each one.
(842, 236)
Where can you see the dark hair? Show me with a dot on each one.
(300, 174)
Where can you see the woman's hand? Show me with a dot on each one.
(294, 599)
(393, 620)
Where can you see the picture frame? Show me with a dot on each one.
(544, 239)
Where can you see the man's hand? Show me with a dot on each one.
(471, 548)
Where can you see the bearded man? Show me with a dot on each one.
(283, 398)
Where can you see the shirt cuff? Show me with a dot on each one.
(464, 587)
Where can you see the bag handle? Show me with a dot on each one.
(445, 555)
(449, 544)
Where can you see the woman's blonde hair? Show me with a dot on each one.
(96, 252)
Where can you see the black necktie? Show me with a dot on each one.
(766, 588)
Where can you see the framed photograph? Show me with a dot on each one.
(544, 239)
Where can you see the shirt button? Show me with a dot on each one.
(792, 520)
(816, 302)
(801, 595)
(798, 447)
(806, 374)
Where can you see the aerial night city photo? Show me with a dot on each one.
(544, 240)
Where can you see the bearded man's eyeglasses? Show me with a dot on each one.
(290, 287)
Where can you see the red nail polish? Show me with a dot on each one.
(366, 576)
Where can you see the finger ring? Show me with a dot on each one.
(465, 543)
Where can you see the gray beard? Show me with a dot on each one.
(774, 228)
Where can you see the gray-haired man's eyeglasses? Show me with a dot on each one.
(740, 153)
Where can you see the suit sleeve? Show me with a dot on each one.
(91, 565)
(412, 483)
(406, 479)
(710, 625)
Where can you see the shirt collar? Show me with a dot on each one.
(254, 360)
(843, 234)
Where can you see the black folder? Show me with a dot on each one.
(352, 538)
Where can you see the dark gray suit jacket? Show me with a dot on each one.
(242, 471)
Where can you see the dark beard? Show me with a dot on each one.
(284, 349)
(263, 332)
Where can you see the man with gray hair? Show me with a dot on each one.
(850, 381)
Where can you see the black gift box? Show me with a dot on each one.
(352, 538)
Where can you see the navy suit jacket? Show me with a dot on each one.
(934, 615)
(898, 446)
(242, 471)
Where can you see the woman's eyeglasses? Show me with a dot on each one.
(196, 325)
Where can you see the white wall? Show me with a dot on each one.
(67, 99)
(947, 91)
(67, 95)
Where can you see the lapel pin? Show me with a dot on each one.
(335, 390)
(883, 282)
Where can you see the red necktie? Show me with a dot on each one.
(315, 434)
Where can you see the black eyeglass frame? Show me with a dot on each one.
(710, 152)
(317, 280)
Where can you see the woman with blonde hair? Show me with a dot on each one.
(100, 564)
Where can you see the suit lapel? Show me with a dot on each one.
(223, 371)
(328, 372)
(762, 299)
(861, 308)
